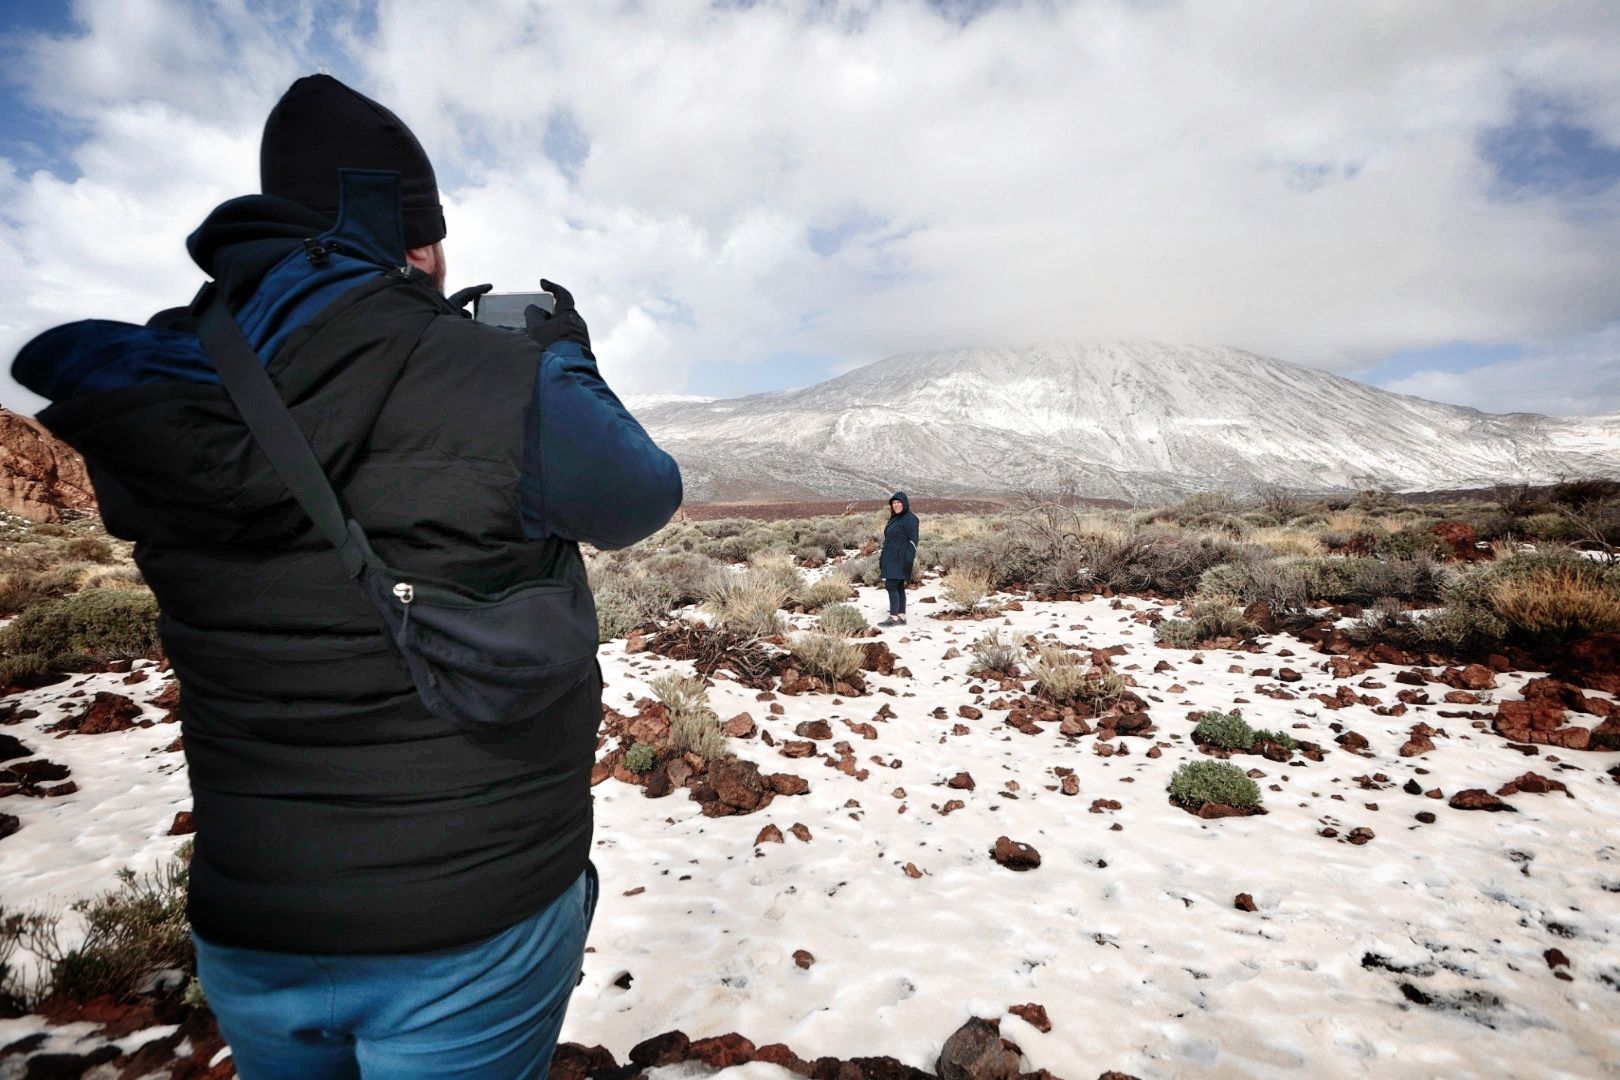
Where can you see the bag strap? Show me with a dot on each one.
(274, 429)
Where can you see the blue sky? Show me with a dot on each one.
(750, 196)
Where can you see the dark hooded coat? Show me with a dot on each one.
(334, 813)
(899, 542)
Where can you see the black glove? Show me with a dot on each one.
(546, 328)
(462, 297)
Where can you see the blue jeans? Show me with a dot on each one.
(897, 595)
(492, 1009)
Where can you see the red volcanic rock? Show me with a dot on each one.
(815, 730)
(9, 823)
(877, 658)
(1100, 805)
(105, 713)
(803, 958)
(738, 784)
(961, 782)
(1532, 783)
(1418, 741)
(1459, 541)
(1033, 1014)
(1015, 855)
(770, 834)
(1555, 958)
(571, 1061)
(741, 726)
(1244, 902)
(670, 1048)
(1425, 816)
(1593, 662)
(1289, 675)
(801, 831)
(975, 1051)
(1352, 741)
(182, 825)
(798, 748)
(722, 1051)
(1360, 835)
(1477, 799)
(780, 1054)
(1210, 811)
(787, 784)
(41, 477)
(968, 712)
(1070, 785)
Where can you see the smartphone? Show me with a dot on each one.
(506, 309)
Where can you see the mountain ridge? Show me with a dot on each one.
(1124, 419)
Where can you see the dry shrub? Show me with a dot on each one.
(845, 619)
(748, 603)
(1560, 604)
(1064, 677)
(996, 652)
(779, 570)
(1288, 541)
(964, 589)
(693, 725)
(830, 656)
(825, 591)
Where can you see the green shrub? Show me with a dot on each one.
(640, 758)
(996, 652)
(1218, 617)
(684, 577)
(105, 624)
(1285, 740)
(1198, 782)
(1177, 634)
(845, 619)
(693, 724)
(616, 615)
(131, 932)
(829, 589)
(830, 656)
(1227, 731)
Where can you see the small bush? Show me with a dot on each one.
(1198, 782)
(830, 656)
(1559, 605)
(844, 619)
(640, 758)
(1059, 672)
(996, 652)
(105, 624)
(778, 570)
(616, 615)
(1282, 738)
(90, 549)
(1218, 617)
(964, 589)
(748, 603)
(825, 591)
(1227, 731)
(693, 724)
(130, 932)
(1287, 541)
(1177, 634)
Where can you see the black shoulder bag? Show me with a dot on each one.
(477, 661)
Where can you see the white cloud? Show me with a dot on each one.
(1575, 377)
(1298, 179)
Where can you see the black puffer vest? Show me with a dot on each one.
(334, 813)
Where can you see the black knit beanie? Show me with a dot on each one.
(320, 126)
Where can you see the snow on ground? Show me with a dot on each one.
(1128, 937)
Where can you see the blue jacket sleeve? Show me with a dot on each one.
(591, 472)
(912, 534)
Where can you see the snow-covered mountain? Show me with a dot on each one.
(1128, 420)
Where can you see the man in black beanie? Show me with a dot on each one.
(374, 890)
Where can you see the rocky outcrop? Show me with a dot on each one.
(41, 477)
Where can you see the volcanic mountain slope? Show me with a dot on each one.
(1131, 420)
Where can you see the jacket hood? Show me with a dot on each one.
(144, 405)
(905, 503)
